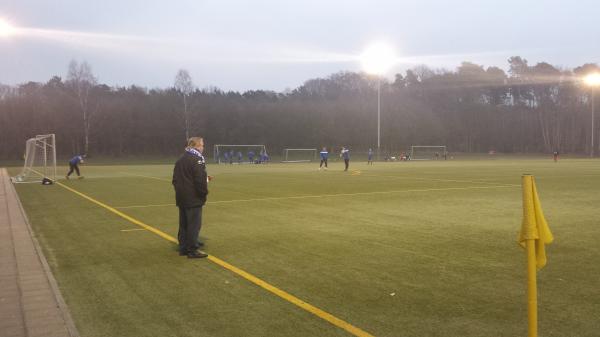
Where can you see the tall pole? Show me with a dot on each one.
(378, 115)
(592, 151)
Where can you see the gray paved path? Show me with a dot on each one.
(30, 303)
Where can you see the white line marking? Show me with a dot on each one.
(143, 176)
(331, 195)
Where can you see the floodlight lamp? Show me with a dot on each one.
(378, 58)
(592, 79)
(6, 29)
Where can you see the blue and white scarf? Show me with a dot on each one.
(196, 153)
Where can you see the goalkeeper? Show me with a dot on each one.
(74, 165)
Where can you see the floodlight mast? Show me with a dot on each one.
(376, 60)
(592, 80)
(378, 116)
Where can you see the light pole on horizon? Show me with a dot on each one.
(378, 115)
(592, 80)
(376, 60)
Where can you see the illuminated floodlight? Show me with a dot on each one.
(378, 58)
(592, 79)
(6, 29)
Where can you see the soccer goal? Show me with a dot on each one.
(427, 152)
(299, 155)
(240, 154)
(40, 160)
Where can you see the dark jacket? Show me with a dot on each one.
(190, 181)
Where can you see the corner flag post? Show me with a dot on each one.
(531, 290)
(535, 233)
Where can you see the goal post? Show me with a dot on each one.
(428, 152)
(40, 159)
(239, 154)
(299, 155)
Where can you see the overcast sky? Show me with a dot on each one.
(279, 44)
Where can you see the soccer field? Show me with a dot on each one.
(394, 249)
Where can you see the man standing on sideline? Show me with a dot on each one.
(191, 188)
(346, 155)
(370, 161)
(324, 155)
(74, 165)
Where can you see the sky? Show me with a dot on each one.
(278, 45)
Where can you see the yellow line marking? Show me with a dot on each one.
(132, 230)
(293, 299)
(121, 214)
(334, 195)
(283, 294)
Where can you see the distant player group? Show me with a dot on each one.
(254, 158)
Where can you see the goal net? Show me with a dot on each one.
(240, 154)
(299, 155)
(40, 159)
(427, 152)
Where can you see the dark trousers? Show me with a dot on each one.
(73, 167)
(323, 161)
(190, 221)
(347, 162)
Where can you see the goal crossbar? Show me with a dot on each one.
(299, 155)
(427, 152)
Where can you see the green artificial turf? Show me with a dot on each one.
(396, 249)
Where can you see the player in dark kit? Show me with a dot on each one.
(346, 155)
(324, 155)
(74, 165)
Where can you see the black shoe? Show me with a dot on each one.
(182, 253)
(196, 255)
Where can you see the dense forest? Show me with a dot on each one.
(529, 109)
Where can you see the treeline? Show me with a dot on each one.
(530, 109)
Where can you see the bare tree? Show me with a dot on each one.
(533, 108)
(185, 86)
(82, 81)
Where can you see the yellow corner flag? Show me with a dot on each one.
(534, 235)
(534, 225)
